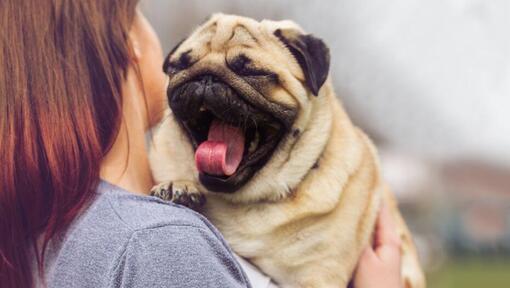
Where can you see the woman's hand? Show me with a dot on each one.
(379, 266)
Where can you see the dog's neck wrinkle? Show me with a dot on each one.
(318, 128)
(338, 160)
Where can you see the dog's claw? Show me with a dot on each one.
(180, 192)
(163, 191)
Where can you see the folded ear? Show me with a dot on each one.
(311, 53)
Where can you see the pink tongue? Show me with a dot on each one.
(223, 151)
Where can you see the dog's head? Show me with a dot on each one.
(238, 88)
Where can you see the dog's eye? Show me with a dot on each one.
(241, 65)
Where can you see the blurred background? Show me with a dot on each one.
(429, 81)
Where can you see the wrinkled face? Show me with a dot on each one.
(237, 88)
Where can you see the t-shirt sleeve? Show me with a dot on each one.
(177, 256)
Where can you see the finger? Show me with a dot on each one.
(390, 255)
(368, 256)
(386, 229)
(367, 261)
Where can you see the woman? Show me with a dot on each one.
(80, 84)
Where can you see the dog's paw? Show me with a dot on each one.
(180, 192)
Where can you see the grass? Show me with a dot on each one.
(471, 273)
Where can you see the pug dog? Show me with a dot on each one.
(256, 129)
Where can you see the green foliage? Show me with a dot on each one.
(472, 273)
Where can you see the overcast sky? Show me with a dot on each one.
(426, 77)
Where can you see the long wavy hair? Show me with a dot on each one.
(62, 64)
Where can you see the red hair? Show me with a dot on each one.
(62, 63)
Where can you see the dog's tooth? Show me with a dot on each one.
(253, 147)
(255, 142)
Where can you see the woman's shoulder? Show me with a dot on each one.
(141, 241)
(138, 212)
(169, 244)
(177, 255)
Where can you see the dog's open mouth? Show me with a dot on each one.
(231, 137)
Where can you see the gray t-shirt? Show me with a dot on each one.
(126, 240)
